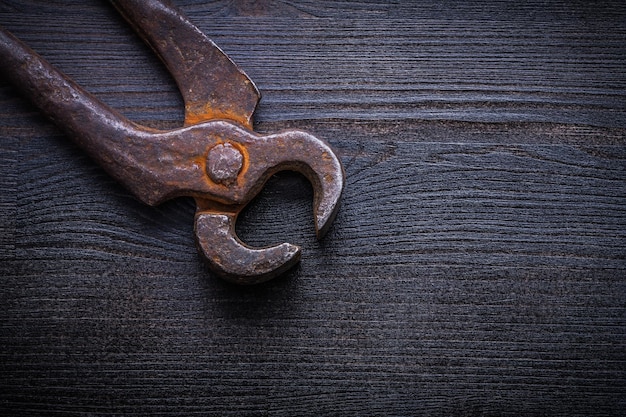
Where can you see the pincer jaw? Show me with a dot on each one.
(296, 151)
(302, 152)
(233, 260)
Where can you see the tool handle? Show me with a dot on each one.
(90, 123)
(212, 85)
(81, 115)
(116, 143)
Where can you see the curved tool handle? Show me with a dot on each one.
(97, 128)
(212, 85)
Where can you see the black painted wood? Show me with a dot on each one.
(476, 267)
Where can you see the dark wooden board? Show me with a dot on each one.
(477, 265)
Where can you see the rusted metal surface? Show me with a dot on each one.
(212, 85)
(215, 157)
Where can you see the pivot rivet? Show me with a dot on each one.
(224, 163)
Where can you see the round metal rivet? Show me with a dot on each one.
(224, 163)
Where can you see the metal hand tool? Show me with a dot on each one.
(215, 157)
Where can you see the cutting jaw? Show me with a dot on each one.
(215, 229)
(214, 157)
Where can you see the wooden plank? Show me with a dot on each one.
(465, 66)
(8, 197)
(476, 266)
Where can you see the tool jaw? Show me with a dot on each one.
(290, 150)
(235, 261)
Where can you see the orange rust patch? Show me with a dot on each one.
(198, 113)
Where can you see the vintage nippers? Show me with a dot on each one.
(215, 157)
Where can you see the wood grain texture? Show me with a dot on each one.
(476, 266)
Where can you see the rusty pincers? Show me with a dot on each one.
(215, 157)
